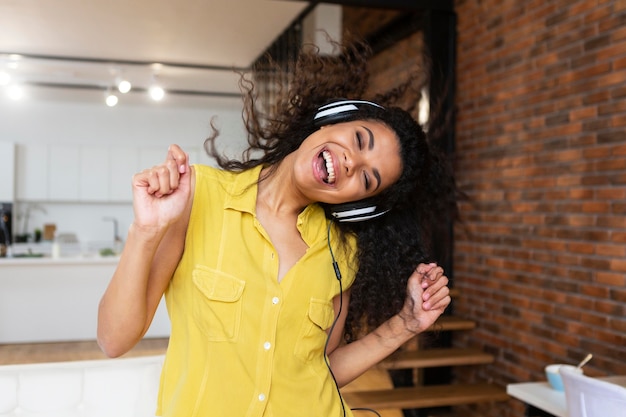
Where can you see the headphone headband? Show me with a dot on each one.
(339, 110)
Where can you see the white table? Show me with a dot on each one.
(542, 397)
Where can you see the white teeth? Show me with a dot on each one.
(329, 167)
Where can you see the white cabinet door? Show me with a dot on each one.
(124, 164)
(69, 173)
(7, 171)
(63, 172)
(93, 183)
(31, 172)
(149, 157)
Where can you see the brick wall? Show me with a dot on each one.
(540, 258)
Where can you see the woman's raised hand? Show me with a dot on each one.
(427, 297)
(161, 193)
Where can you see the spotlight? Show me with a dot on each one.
(111, 100)
(156, 92)
(124, 86)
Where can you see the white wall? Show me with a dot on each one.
(322, 24)
(83, 118)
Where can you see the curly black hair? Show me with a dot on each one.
(389, 247)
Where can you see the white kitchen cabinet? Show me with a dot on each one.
(93, 180)
(63, 172)
(7, 171)
(31, 172)
(124, 164)
(56, 300)
(68, 173)
(149, 157)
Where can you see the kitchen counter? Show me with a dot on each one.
(56, 300)
(67, 260)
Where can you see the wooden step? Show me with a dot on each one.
(426, 396)
(431, 358)
(374, 379)
(449, 323)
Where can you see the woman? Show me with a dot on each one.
(257, 260)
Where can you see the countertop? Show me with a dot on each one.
(39, 254)
(63, 260)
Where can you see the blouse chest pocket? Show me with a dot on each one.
(217, 303)
(312, 338)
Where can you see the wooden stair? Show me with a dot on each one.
(432, 358)
(451, 323)
(374, 389)
(425, 396)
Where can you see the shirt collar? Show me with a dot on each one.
(311, 221)
(242, 195)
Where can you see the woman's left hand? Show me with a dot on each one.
(427, 297)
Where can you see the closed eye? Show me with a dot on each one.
(367, 181)
(359, 140)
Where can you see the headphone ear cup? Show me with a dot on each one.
(356, 211)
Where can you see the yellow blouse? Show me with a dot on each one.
(243, 344)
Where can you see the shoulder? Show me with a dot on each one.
(219, 182)
(212, 173)
(208, 176)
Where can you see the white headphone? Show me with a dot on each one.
(339, 110)
(355, 211)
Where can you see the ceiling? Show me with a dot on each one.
(188, 46)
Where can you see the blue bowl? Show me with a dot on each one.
(554, 378)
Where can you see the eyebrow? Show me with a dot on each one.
(370, 146)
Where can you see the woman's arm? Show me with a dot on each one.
(427, 297)
(162, 198)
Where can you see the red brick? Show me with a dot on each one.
(541, 147)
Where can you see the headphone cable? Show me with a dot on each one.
(332, 327)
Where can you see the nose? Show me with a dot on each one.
(351, 163)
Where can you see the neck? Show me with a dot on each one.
(276, 193)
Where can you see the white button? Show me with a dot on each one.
(261, 397)
(267, 345)
(275, 300)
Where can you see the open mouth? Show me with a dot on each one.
(327, 167)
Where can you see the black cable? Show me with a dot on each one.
(366, 409)
(332, 327)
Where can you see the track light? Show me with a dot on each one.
(156, 92)
(124, 86)
(110, 98)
